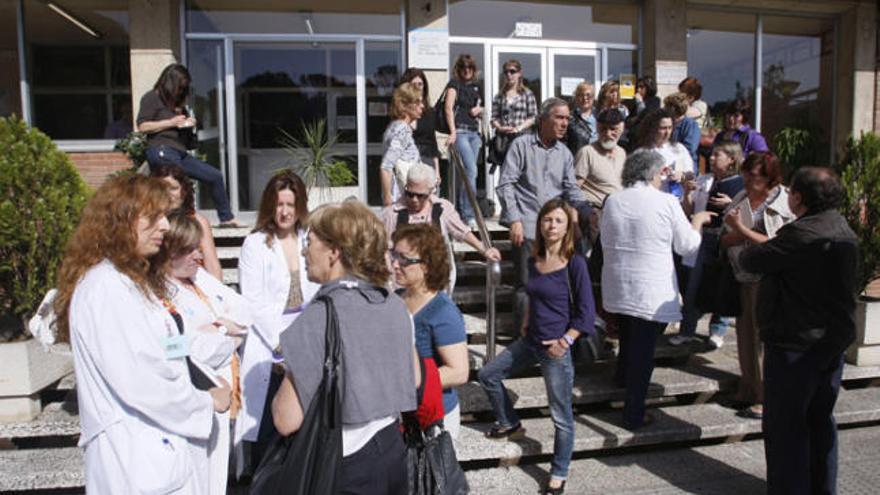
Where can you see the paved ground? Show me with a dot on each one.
(736, 469)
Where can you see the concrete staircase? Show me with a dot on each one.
(41, 455)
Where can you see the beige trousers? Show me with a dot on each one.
(749, 347)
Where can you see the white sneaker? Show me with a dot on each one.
(680, 339)
(715, 342)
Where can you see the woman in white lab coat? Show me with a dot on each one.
(273, 279)
(214, 316)
(144, 426)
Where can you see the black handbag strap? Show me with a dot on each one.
(332, 354)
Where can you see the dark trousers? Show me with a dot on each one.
(635, 364)
(267, 431)
(800, 434)
(520, 256)
(198, 170)
(378, 468)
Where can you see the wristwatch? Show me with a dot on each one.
(568, 339)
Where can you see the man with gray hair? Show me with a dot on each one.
(538, 167)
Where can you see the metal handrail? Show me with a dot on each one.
(493, 268)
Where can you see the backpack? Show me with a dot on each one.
(436, 212)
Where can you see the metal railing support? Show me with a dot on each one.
(493, 268)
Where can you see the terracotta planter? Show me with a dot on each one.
(865, 351)
(27, 369)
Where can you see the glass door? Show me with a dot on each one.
(206, 66)
(534, 68)
(570, 67)
(280, 89)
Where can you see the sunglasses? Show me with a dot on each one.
(402, 260)
(415, 195)
(510, 71)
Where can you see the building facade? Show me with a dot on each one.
(77, 69)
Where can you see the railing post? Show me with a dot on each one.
(493, 268)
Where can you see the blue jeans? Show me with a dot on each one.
(559, 380)
(467, 143)
(197, 169)
(690, 313)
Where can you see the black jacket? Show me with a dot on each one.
(807, 294)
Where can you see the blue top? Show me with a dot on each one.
(687, 132)
(439, 323)
(550, 313)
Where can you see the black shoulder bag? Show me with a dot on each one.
(589, 347)
(309, 461)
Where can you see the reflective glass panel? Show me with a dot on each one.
(382, 70)
(205, 61)
(10, 92)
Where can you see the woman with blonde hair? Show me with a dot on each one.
(514, 108)
(462, 109)
(400, 150)
(582, 128)
(215, 318)
(145, 427)
(345, 253)
(609, 97)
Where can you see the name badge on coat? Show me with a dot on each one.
(176, 346)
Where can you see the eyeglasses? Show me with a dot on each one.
(510, 71)
(586, 95)
(415, 195)
(402, 260)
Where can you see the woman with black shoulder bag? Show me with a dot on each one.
(514, 109)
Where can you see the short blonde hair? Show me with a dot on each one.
(734, 151)
(582, 88)
(359, 235)
(406, 94)
(608, 87)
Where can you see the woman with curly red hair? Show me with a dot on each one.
(144, 425)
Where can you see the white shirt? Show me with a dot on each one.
(641, 226)
(144, 426)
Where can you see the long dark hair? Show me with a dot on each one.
(648, 126)
(412, 73)
(187, 195)
(266, 215)
(173, 85)
(571, 229)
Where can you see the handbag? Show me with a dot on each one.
(718, 290)
(589, 347)
(309, 461)
(432, 467)
(498, 146)
(440, 112)
(401, 169)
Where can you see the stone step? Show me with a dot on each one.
(469, 296)
(57, 419)
(598, 386)
(603, 430)
(727, 468)
(41, 469)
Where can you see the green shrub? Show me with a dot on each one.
(135, 148)
(42, 197)
(860, 172)
(314, 156)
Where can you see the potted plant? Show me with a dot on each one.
(860, 172)
(41, 196)
(314, 158)
(135, 148)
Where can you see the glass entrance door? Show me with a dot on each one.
(570, 67)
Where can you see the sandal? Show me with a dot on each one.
(499, 433)
(231, 224)
(751, 413)
(555, 491)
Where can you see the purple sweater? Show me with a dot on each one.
(750, 139)
(550, 313)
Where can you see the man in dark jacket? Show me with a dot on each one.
(806, 315)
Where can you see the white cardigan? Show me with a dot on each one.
(265, 282)
(640, 228)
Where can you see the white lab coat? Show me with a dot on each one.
(215, 351)
(265, 283)
(144, 427)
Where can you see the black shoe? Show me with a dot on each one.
(513, 433)
(750, 413)
(555, 491)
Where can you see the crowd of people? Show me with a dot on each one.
(610, 221)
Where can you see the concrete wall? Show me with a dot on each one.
(857, 66)
(154, 32)
(664, 48)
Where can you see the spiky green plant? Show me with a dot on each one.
(314, 157)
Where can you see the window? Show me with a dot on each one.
(724, 78)
(79, 71)
(10, 95)
(603, 22)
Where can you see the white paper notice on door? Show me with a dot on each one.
(569, 84)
